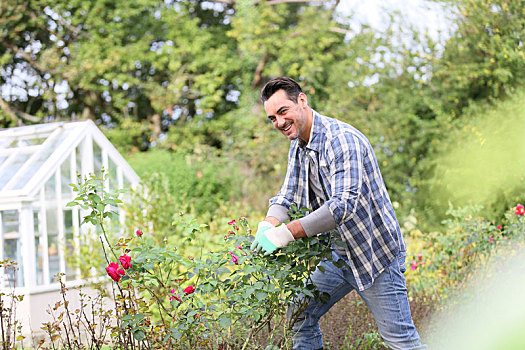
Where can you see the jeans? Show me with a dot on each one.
(386, 299)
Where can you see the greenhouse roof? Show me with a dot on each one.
(30, 154)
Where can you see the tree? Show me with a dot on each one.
(112, 60)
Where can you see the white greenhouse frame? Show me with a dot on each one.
(37, 164)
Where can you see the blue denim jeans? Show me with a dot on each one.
(386, 299)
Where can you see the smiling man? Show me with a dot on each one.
(332, 169)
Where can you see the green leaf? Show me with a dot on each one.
(71, 204)
(260, 295)
(175, 333)
(139, 335)
(225, 321)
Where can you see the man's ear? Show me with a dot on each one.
(302, 99)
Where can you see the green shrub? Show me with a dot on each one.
(439, 263)
(198, 182)
(222, 298)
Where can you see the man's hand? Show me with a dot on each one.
(268, 238)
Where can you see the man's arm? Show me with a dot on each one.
(319, 221)
(295, 227)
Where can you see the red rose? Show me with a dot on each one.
(114, 272)
(139, 233)
(125, 261)
(189, 289)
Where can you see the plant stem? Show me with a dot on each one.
(107, 241)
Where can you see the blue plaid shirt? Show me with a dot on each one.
(355, 192)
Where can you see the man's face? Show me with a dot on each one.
(289, 117)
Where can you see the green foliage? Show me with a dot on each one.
(484, 57)
(478, 161)
(441, 262)
(200, 182)
(124, 60)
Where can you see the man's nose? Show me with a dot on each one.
(279, 121)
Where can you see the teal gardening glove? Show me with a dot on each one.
(268, 238)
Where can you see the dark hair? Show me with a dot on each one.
(290, 86)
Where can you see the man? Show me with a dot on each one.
(332, 169)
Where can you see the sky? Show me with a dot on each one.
(424, 15)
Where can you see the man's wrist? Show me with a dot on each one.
(296, 229)
(272, 220)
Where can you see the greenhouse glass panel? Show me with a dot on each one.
(17, 162)
(97, 159)
(112, 175)
(52, 229)
(39, 258)
(78, 157)
(65, 180)
(70, 246)
(30, 140)
(36, 162)
(5, 142)
(12, 246)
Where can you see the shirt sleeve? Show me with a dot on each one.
(279, 212)
(319, 221)
(346, 172)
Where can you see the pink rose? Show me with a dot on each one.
(419, 256)
(176, 297)
(414, 265)
(231, 222)
(139, 233)
(243, 252)
(499, 227)
(235, 258)
(520, 210)
(125, 261)
(189, 289)
(114, 272)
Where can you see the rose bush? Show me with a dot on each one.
(218, 299)
(441, 262)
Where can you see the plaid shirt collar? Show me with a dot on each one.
(314, 141)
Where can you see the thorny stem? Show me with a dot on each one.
(256, 329)
(89, 327)
(67, 333)
(107, 241)
(4, 344)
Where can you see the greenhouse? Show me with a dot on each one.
(37, 229)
